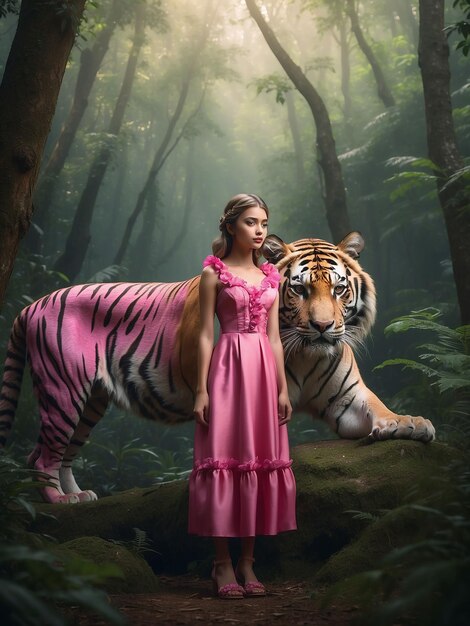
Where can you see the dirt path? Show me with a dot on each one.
(185, 600)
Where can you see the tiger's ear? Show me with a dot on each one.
(274, 249)
(353, 244)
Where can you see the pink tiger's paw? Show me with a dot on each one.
(403, 427)
(86, 496)
(66, 498)
(69, 498)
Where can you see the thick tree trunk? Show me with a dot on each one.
(335, 194)
(383, 89)
(28, 97)
(90, 62)
(71, 261)
(454, 195)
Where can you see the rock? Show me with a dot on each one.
(137, 576)
(332, 478)
(394, 529)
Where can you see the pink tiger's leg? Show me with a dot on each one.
(47, 459)
(57, 428)
(92, 413)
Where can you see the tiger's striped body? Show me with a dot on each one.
(135, 344)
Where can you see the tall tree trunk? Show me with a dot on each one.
(90, 62)
(296, 139)
(76, 247)
(28, 98)
(114, 217)
(454, 195)
(383, 89)
(158, 161)
(163, 151)
(141, 252)
(335, 194)
(167, 253)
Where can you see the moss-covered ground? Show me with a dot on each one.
(333, 479)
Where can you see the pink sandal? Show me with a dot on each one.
(254, 588)
(230, 591)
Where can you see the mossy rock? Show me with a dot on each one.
(137, 575)
(332, 477)
(161, 512)
(394, 529)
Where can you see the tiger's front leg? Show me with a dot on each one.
(367, 416)
(339, 396)
(389, 425)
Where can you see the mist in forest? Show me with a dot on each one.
(243, 127)
(179, 105)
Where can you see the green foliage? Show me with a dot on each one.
(425, 178)
(125, 452)
(442, 389)
(140, 544)
(461, 27)
(112, 273)
(30, 274)
(426, 580)
(303, 429)
(35, 585)
(67, 13)
(274, 82)
(9, 6)
(446, 363)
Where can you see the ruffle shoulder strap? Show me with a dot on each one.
(271, 275)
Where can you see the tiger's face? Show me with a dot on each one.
(326, 298)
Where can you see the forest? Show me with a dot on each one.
(126, 125)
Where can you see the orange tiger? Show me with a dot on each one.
(135, 344)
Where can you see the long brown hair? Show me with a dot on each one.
(222, 245)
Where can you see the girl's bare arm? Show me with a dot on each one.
(285, 408)
(207, 298)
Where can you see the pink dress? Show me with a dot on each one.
(242, 483)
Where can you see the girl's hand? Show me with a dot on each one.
(285, 408)
(201, 408)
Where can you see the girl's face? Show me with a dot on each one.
(250, 229)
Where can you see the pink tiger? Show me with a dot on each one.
(135, 344)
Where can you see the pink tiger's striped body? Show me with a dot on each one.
(90, 344)
(135, 344)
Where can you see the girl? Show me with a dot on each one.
(242, 484)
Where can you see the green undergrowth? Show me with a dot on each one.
(413, 562)
(36, 586)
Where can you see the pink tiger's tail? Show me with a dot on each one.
(12, 377)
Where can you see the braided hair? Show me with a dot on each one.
(222, 245)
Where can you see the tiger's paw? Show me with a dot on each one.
(54, 496)
(74, 498)
(64, 498)
(86, 496)
(403, 427)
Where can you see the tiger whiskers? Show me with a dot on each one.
(291, 341)
(354, 338)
